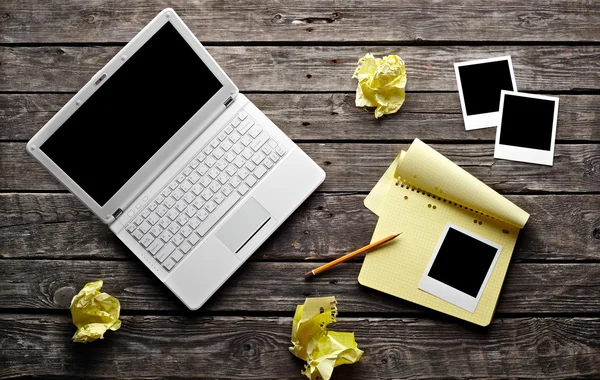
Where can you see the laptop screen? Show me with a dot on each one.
(132, 115)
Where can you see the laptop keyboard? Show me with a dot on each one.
(177, 219)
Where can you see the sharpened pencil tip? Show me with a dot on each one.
(309, 274)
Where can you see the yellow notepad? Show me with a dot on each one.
(419, 194)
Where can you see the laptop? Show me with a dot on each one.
(184, 169)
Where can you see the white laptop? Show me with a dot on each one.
(184, 169)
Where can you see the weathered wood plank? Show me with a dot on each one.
(314, 68)
(58, 226)
(259, 287)
(334, 116)
(357, 167)
(270, 20)
(256, 348)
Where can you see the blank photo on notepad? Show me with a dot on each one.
(460, 267)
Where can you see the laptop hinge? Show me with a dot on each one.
(117, 213)
(228, 102)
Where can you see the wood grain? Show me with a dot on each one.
(326, 226)
(260, 287)
(334, 116)
(269, 20)
(256, 348)
(314, 68)
(357, 167)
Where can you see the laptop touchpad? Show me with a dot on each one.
(246, 222)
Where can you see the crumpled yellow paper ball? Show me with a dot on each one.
(94, 312)
(381, 83)
(322, 349)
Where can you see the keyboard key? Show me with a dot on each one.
(214, 143)
(166, 235)
(155, 246)
(215, 186)
(186, 186)
(195, 164)
(259, 141)
(153, 206)
(202, 169)
(159, 199)
(247, 153)
(258, 157)
(177, 239)
(153, 218)
(207, 194)
(180, 178)
(137, 234)
(169, 202)
(138, 220)
(182, 219)
(236, 121)
(223, 178)
(189, 197)
(169, 264)
(210, 206)
(185, 231)
(274, 157)
(191, 211)
(250, 166)
(280, 151)
(210, 161)
(145, 227)
(174, 184)
(226, 190)
(242, 115)
(181, 205)
(197, 189)
(218, 214)
(235, 181)
(187, 171)
(255, 131)
(239, 161)
(193, 239)
(164, 222)
(146, 240)
(246, 140)
(166, 192)
(219, 198)
(202, 214)
(243, 189)
(237, 148)
(213, 173)
(174, 227)
(165, 252)
(207, 150)
(177, 194)
(194, 177)
(245, 126)
(177, 255)
(268, 163)
(172, 214)
(226, 145)
(222, 136)
(185, 247)
(260, 171)
(218, 153)
(198, 203)
(266, 149)
(221, 165)
(231, 169)
(205, 181)
(145, 213)
(229, 129)
(243, 173)
(272, 143)
(131, 227)
(194, 222)
(250, 181)
(230, 156)
(156, 230)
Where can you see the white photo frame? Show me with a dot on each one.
(447, 292)
(522, 154)
(482, 120)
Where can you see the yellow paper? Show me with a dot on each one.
(431, 192)
(381, 83)
(322, 349)
(94, 313)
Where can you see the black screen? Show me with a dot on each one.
(462, 262)
(132, 115)
(527, 122)
(481, 85)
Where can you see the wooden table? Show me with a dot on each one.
(295, 61)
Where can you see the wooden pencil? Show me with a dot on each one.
(350, 255)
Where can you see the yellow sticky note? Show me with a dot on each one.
(381, 83)
(94, 312)
(322, 349)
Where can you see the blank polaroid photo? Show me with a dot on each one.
(527, 128)
(479, 85)
(460, 267)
